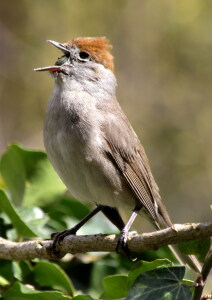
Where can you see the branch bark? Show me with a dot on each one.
(201, 280)
(104, 243)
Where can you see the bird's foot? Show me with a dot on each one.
(122, 244)
(57, 238)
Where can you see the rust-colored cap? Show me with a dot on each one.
(98, 47)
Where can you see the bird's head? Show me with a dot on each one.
(82, 56)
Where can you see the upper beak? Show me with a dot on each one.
(54, 68)
(59, 46)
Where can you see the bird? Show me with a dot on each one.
(92, 145)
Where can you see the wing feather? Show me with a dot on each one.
(126, 152)
(134, 178)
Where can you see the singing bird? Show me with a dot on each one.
(91, 143)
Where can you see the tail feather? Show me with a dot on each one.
(189, 260)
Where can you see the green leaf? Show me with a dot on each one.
(100, 269)
(115, 286)
(196, 247)
(144, 266)
(3, 281)
(22, 270)
(44, 185)
(29, 176)
(17, 272)
(25, 272)
(6, 269)
(21, 292)
(160, 284)
(10, 211)
(68, 206)
(64, 210)
(13, 172)
(167, 296)
(51, 275)
(35, 219)
(82, 297)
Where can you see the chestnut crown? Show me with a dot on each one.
(97, 47)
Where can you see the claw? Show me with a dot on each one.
(58, 237)
(122, 244)
(53, 235)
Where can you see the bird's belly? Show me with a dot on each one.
(88, 175)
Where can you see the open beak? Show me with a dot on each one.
(54, 68)
(59, 46)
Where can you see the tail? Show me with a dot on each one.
(190, 260)
(184, 259)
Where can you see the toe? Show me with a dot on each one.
(53, 235)
(122, 245)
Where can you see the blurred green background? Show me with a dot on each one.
(162, 55)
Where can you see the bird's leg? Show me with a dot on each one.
(122, 242)
(113, 215)
(59, 236)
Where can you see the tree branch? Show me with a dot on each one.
(201, 280)
(104, 243)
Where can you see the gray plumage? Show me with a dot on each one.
(88, 138)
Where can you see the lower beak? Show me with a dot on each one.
(50, 68)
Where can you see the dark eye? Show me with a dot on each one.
(84, 56)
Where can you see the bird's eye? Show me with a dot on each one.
(84, 56)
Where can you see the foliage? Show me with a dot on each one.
(29, 186)
(162, 55)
